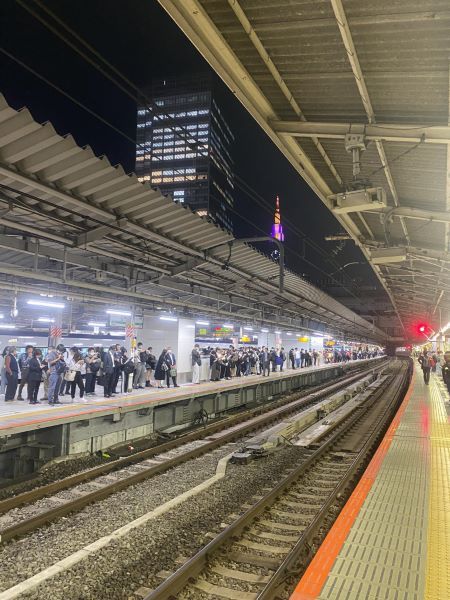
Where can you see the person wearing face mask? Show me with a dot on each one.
(92, 362)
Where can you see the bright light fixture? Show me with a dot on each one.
(168, 318)
(202, 322)
(248, 328)
(45, 303)
(2, 316)
(46, 320)
(123, 313)
(92, 324)
(279, 332)
(7, 326)
(122, 333)
(265, 330)
(228, 326)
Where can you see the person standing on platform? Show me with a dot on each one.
(196, 362)
(264, 359)
(12, 374)
(425, 363)
(108, 372)
(150, 366)
(161, 368)
(292, 358)
(171, 372)
(92, 362)
(56, 367)
(24, 359)
(34, 378)
(446, 370)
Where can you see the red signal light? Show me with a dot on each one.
(422, 328)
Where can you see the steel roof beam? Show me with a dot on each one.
(388, 132)
(344, 29)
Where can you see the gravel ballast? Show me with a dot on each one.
(133, 561)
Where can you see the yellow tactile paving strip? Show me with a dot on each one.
(437, 586)
(397, 544)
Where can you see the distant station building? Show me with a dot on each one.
(184, 147)
(277, 227)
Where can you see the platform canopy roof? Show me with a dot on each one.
(311, 71)
(72, 223)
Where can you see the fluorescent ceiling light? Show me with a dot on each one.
(118, 312)
(92, 324)
(46, 320)
(202, 322)
(228, 326)
(248, 328)
(265, 330)
(277, 331)
(45, 303)
(122, 333)
(7, 326)
(2, 316)
(168, 318)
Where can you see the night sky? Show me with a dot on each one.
(141, 40)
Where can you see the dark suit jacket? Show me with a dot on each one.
(108, 363)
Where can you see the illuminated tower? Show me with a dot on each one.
(277, 227)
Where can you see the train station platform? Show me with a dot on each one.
(32, 435)
(392, 538)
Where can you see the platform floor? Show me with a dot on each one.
(17, 414)
(392, 538)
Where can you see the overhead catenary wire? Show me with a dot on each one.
(139, 96)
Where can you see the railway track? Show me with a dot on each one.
(53, 501)
(252, 557)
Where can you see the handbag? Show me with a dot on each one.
(70, 376)
(173, 372)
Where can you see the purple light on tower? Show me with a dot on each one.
(277, 227)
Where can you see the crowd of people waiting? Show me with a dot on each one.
(62, 371)
(226, 363)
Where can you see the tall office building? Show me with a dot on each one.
(184, 147)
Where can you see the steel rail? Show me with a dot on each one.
(77, 504)
(303, 548)
(195, 565)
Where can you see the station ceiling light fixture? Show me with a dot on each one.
(122, 313)
(202, 322)
(46, 320)
(264, 330)
(7, 326)
(93, 324)
(228, 326)
(168, 318)
(248, 328)
(46, 303)
(278, 332)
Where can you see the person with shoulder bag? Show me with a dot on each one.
(171, 371)
(74, 373)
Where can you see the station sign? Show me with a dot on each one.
(215, 334)
(303, 339)
(248, 340)
(329, 343)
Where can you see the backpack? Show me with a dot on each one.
(128, 367)
(94, 367)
